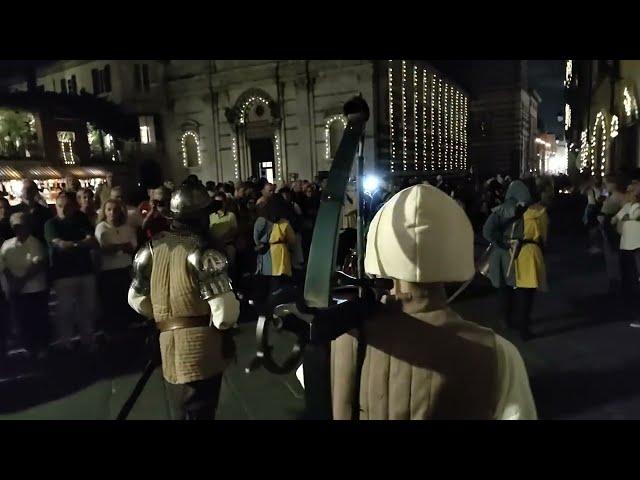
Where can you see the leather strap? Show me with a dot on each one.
(176, 323)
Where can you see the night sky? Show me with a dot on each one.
(546, 77)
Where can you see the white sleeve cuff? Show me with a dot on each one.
(225, 310)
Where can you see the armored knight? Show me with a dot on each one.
(184, 287)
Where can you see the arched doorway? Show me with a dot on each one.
(255, 123)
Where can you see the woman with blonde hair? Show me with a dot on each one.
(118, 242)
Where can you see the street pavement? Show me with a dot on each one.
(583, 361)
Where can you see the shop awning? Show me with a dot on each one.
(87, 172)
(9, 173)
(36, 171)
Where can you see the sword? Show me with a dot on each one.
(152, 364)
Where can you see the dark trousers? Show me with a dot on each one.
(517, 304)
(113, 287)
(195, 400)
(30, 313)
(629, 273)
(4, 324)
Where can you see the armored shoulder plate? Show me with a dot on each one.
(210, 267)
(142, 264)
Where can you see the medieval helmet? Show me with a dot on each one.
(189, 201)
(420, 235)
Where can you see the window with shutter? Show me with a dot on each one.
(106, 78)
(136, 77)
(145, 77)
(95, 79)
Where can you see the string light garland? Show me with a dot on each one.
(183, 142)
(234, 151)
(614, 127)
(584, 150)
(415, 117)
(464, 133)
(424, 119)
(602, 123)
(440, 163)
(66, 140)
(568, 75)
(404, 115)
(444, 125)
(249, 102)
(432, 131)
(630, 104)
(567, 116)
(447, 158)
(391, 136)
(276, 142)
(327, 132)
(455, 129)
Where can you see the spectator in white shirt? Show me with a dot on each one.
(23, 262)
(628, 225)
(118, 241)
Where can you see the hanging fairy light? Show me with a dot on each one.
(432, 125)
(327, 132)
(568, 74)
(614, 127)
(404, 115)
(630, 104)
(601, 122)
(415, 117)
(446, 127)
(584, 150)
(276, 142)
(391, 139)
(454, 131)
(465, 127)
(567, 116)
(234, 151)
(440, 118)
(183, 143)
(424, 119)
(454, 127)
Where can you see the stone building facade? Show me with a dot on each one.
(282, 119)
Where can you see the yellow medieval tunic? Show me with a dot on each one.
(530, 268)
(281, 240)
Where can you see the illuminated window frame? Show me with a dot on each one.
(183, 143)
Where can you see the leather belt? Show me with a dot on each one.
(176, 323)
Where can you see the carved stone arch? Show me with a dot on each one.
(236, 114)
(190, 125)
(246, 133)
